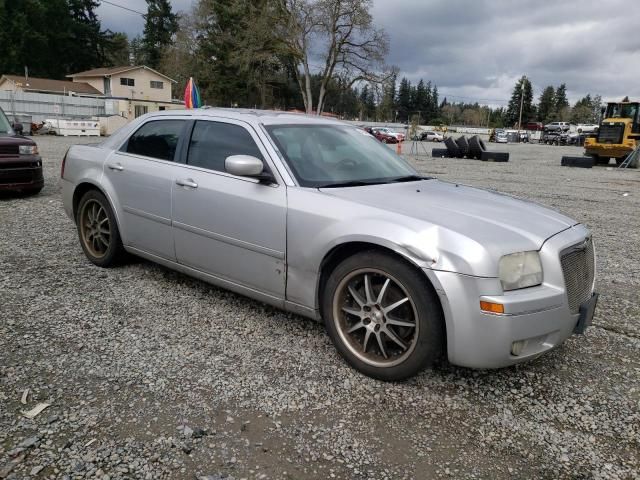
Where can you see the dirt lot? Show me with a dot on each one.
(151, 374)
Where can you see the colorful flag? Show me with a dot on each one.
(192, 95)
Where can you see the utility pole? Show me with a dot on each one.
(521, 104)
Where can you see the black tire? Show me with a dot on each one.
(598, 160)
(463, 145)
(495, 156)
(439, 152)
(476, 147)
(424, 338)
(452, 147)
(102, 249)
(580, 162)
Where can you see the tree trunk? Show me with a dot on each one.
(321, 98)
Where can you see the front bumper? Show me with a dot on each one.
(538, 317)
(21, 173)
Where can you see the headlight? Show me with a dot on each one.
(28, 149)
(520, 270)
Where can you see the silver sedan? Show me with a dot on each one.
(318, 218)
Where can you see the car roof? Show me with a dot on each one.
(255, 116)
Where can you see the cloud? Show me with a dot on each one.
(120, 19)
(477, 49)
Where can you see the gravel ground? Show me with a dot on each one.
(152, 374)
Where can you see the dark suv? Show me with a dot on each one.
(20, 164)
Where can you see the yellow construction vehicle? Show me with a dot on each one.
(618, 133)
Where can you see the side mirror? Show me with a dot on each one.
(247, 166)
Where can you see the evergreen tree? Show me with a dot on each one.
(561, 98)
(421, 101)
(404, 100)
(521, 89)
(87, 48)
(562, 110)
(434, 110)
(547, 105)
(117, 49)
(136, 51)
(387, 108)
(53, 38)
(160, 26)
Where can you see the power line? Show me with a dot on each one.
(124, 8)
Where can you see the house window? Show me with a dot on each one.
(128, 82)
(107, 86)
(156, 84)
(141, 110)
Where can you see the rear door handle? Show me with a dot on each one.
(115, 166)
(187, 183)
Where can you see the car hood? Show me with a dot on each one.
(500, 223)
(10, 139)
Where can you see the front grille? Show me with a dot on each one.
(4, 165)
(9, 149)
(20, 175)
(578, 268)
(611, 133)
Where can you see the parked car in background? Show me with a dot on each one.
(501, 136)
(586, 128)
(399, 136)
(557, 127)
(384, 136)
(431, 136)
(535, 126)
(314, 216)
(20, 163)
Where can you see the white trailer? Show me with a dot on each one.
(76, 128)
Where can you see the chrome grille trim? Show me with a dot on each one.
(578, 269)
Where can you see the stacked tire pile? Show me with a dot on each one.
(471, 148)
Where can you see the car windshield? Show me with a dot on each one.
(5, 126)
(338, 155)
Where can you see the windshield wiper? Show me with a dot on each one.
(350, 183)
(408, 178)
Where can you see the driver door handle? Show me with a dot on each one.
(115, 166)
(187, 183)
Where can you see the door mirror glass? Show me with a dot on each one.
(244, 165)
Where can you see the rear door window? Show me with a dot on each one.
(156, 139)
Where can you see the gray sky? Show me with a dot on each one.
(477, 49)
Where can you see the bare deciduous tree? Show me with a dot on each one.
(341, 35)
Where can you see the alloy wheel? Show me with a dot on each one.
(95, 228)
(375, 317)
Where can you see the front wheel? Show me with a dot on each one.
(383, 316)
(98, 230)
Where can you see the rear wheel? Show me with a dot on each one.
(98, 230)
(383, 316)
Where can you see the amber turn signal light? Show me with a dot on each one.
(491, 307)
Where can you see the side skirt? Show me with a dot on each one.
(229, 285)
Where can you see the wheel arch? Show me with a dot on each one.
(86, 186)
(347, 249)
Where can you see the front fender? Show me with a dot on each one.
(318, 223)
